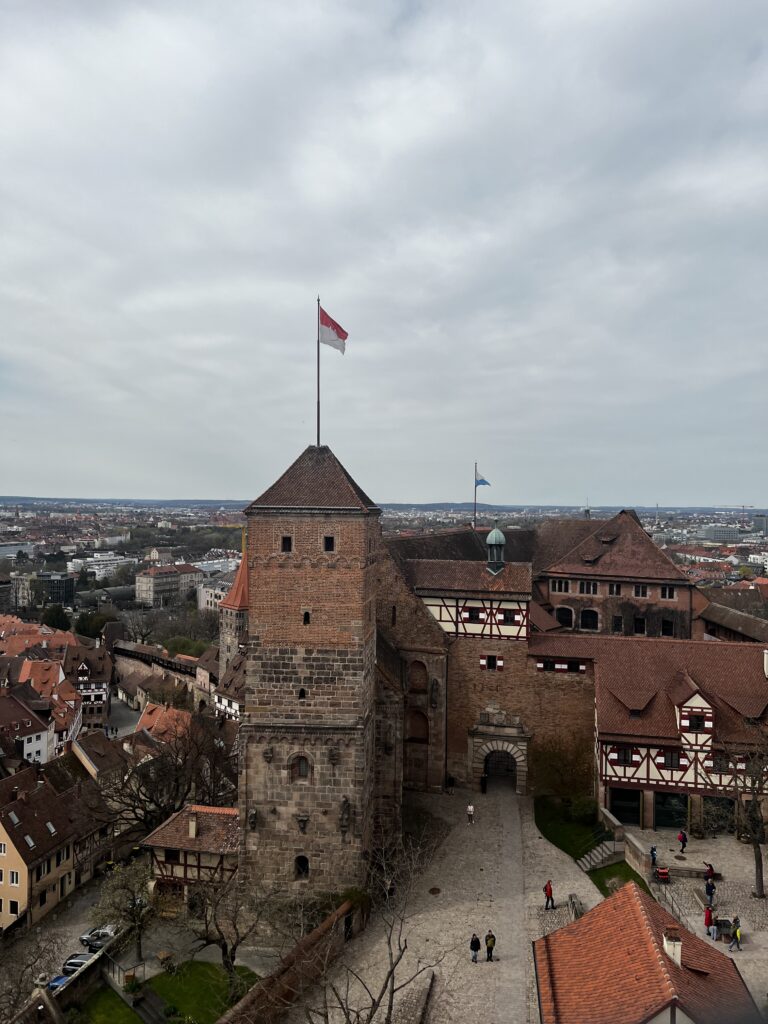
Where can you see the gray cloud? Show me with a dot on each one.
(543, 225)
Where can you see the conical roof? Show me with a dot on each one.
(237, 598)
(315, 481)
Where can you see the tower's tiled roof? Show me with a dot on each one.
(316, 481)
(610, 966)
(237, 597)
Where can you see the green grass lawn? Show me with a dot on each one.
(106, 1007)
(609, 879)
(570, 836)
(198, 989)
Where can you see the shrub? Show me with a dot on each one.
(583, 809)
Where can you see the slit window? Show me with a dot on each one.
(302, 694)
(301, 867)
(329, 543)
(306, 618)
(394, 614)
(286, 545)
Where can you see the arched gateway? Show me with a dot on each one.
(500, 759)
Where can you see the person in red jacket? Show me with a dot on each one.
(550, 900)
(708, 918)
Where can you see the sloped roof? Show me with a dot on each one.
(237, 597)
(218, 830)
(652, 675)
(610, 966)
(467, 577)
(164, 723)
(619, 548)
(541, 620)
(232, 684)
(315, 481)
(739, 622)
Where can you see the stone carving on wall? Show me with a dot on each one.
(268, 753)
(345, 812)
(253, 819)
(333, 755)
(302, 820)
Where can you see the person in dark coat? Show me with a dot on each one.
(490, 942)
(653, 856)
(549, 903)
(474, 945)
(710, 889)
(682, 838)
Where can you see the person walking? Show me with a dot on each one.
(710, 872)
(653, 856)
(735, 935)
(708, 919)
(710, 889)
(490, 942)
(550, 898)
(470, 813)
(474, 945)
(682, 838)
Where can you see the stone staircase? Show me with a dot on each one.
(607, 851)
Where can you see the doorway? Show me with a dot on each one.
(501, 768)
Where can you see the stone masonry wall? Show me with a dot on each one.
(548, 703)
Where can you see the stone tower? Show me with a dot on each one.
(233, 619)
(307, 735)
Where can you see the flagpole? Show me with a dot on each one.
(474, 514)
(318, 371)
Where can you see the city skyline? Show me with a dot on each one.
(541, 228)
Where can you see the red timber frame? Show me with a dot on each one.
(194, 871)
(491, 618)
(638, 775)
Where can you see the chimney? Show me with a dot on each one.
(765, 664)
(673, 944)
(193, 826)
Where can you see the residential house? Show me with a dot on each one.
(164, 585)
(90, 672)
(229, 695)
(195, 846)
(629, 960)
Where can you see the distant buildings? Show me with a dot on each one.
(102, 564)
(165, 585)
(31, 590)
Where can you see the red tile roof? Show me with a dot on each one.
(467, 577)
(316, 480)
(610, 966)
(164, 723)
(648, 675)
(618, 548)
(218, 830)
(237, 598)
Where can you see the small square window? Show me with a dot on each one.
(490, 662)
(286, 545)
(473, 614)
(672, 759)
(624, 756)
(13, 908)
(329, 543)
(172, 857)
(617, 624)
(695, 723)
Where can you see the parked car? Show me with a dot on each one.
(58, 982)
(75, 962)
(99, 936)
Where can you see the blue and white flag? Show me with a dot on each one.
(480, 480)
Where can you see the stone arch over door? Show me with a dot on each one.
(517, 748)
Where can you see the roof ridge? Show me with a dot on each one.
(638, 902)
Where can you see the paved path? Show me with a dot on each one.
(490, 875)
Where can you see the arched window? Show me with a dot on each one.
(416, 726)
(589, 619)
(300, 769)
(417, 677)
(306, 618)
(301, 867)
(302, 694)
(565, 617)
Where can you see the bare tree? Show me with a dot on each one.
(23, 960)
(125, 900)
(748, 769)
(346, 992)
(221, 912)
(140, 624)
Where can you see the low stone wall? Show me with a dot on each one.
(612, 823)
(636, 856)
(270, 999)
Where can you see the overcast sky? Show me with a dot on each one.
(543, 224)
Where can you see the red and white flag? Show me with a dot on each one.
(332, 333)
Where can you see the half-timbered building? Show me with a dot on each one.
(195, 846)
